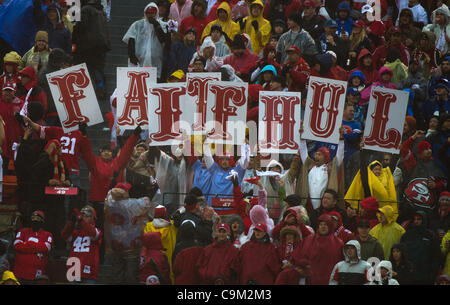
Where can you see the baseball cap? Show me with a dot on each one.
(124, 186)
(367, 9)
(39, 214)
(261, 226)
(223, 226)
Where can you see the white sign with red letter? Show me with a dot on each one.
(74, 97)
(227, 112)
(385, 119)
(197, 94)
(133, 85)
(324, 109)
(167, 114)
(279, 122)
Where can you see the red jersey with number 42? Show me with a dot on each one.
(86, 243)
(70, 145)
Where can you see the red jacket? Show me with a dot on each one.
(198, 24)
(242, 63)
(299, 73)
(322, 251)
(370, 73)
(185, 268)
(290, 276)
(86, 243)
(219, 258)
(239, 205)
(13, 130)
(258, 262)
(101, 171)
(153, 250)
(40, 96)
(32, 250)
(380, 53)
(213, 11)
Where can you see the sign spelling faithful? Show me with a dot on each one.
(324, 109)
(74, 97)
(197, 94)
(385, 119)
(168, 114)
(279, 122)
(133, 85)
(227, 112)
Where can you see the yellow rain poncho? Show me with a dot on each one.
(168, 237)
(230, 27)
(263, 26)
(387, 234)
(381, 187)
(8, 275)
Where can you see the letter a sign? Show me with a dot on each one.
(385, 119)
(324, 109)
(74, 97)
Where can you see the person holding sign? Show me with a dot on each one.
(319, 173)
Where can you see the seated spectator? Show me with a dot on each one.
(439, 26)
(384, 269)
(339, 230)
(38, 55)
(344, 20)
(222, 49)
(393, 41)
(241, 59)
(402, 270)
(229, 27)
(370, 247)
(207, 53)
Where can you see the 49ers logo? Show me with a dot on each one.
(70, 97)
(419, 194)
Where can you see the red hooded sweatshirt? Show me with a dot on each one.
(370, 73)
(185, 268)
(258, 262)
(243, 63)
(40, 96)
(153, 250)
(101, 171)
(341, 232)
(322, 251)
(219, 258)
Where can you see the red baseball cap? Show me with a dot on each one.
(39, 213)
(124, 186)
(293, 49)
(261, 226)
(223, 226)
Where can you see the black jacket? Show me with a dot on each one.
(203, 228)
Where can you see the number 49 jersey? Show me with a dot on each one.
(70, 145)
(86, 248)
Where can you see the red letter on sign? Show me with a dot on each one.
(135, 99)
(169, 112)
(222, 109)
(317, 108)
(70, 96)
(390, 138)
(198, 87)
(286, 119)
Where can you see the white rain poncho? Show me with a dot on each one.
(148, 49)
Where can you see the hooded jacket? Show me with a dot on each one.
(365, 94)
(347, 24)
(243, 63)
(390, 233)
(213, 63)
(153, 250)
(422, 246)
(229, 27)
(445, 252)
(16, 60)
(286, 249)
(178, 13)
(348, 272)
(8, 275)
(388, 280)
(263, 26)
(322, 251)
(36, 94)
(303, 230)
(219, 258)
(259, 262)
(341, 232)
(403, 269)
(370, 73)
(438, 30)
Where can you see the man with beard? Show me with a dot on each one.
(32, 246)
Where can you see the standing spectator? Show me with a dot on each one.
(366, 65)
(153, 260)
(256, 26)
(222, 49)
(64, 16)
(197, 20)
(393, 41)
(410, 33)
(181, 52)
(241, 59)
(440, 26)
(339, 230)
(104, 168)
(359, 40)
(402, 269)
(296, 36)
(323, 250)
(416, 82)
(295, 70)
(124, 225)
(259, 263)
(370, 247)
(312, 22)
(180, 9)
(206, 58)
(440, 103)
(352, 131)
(299, 274)
(28, 89)
(422, 246)
(344, 20)
(384, 269)
(220, 259)
(11, 65)
(85, 240)
(388, 231)
(280, 10)
(32, 245)
(51, 22)
(289, 240)
(145, 40)
(420, 16)
(38, 55)
(353, 270)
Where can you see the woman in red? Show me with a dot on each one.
(220, 259)
(323, 250)
(259, 262)
(153, 259)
